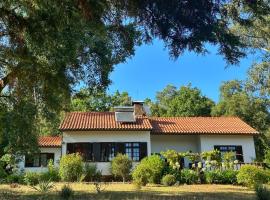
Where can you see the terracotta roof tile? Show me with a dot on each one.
(158, 125)
(50, 141)
(100, 121)
(200, 125)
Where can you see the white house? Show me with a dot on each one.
(99, 136)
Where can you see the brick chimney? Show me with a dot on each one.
(138, 108)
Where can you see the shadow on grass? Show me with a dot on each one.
(119, 195)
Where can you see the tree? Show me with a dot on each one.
(253, 27)
(47, 47)
(235, 100)
(121, 166)
(186, 101)
(86, 100)
(258, 81)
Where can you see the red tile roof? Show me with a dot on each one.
(200, 125)
(76, 121)
(100, 121)
(50, 141)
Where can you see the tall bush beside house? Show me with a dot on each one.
(121, 166)
(250, 175)
(149, 170)
(71, 167)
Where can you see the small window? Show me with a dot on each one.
(38, 160)
(133, 151)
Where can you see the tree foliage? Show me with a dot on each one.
(86, 100)
(185, 101)
(48, 46)
(237, 100)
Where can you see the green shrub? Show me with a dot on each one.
(90, 172)
(52, 174)
(213, 176)
(31, 178)
(66, 192)
(229, 176)
(71, 167)
(3, 173)
(121, 166)
(250, 175)
(149, 170)
(189, 176)
(267, 157)
(262, 192)
(168, 180)
(221, 176)
(15, 178)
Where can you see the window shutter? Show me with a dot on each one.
(143, 150)
(239, 153)
(96, 152)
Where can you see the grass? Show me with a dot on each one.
(117, 191)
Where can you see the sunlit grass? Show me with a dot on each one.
(129, 191)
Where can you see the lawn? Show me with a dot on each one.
(128, 191)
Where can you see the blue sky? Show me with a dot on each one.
(151, 69)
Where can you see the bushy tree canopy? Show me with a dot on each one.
(186, 101)
(86, 100)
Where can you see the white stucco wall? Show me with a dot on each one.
(180, 143)
(106, 136)
(57, 156)
(207, 143)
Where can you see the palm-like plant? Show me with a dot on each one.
(44, 186)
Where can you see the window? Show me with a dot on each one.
(84, 149)
(38, 160)
(231, 148)
(107, 152)
(133, 151)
